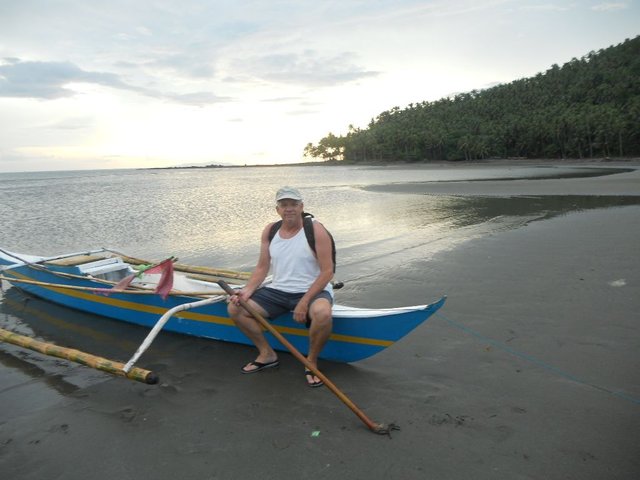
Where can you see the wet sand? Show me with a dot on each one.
(530, 371)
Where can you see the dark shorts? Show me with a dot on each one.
(276, 302)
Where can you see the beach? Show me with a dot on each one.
(530, 371)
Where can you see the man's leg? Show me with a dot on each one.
(319, 331)
(253, 330)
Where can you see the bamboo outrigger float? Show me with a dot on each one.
(93, 361)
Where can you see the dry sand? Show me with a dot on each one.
(531, 371)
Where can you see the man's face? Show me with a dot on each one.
(289, 209)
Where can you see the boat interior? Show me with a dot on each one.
(112, 269)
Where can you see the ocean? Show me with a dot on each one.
(214, 216)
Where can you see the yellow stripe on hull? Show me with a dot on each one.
(199, 317)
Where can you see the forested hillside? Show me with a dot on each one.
(589, 107)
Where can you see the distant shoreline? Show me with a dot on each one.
(423, 164)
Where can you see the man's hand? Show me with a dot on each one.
(239, 295)
(301, 311)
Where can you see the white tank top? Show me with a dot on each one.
(293, 264)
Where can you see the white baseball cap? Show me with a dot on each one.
(288, 193)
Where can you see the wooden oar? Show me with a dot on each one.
(380, 428)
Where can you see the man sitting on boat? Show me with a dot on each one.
(300, 283)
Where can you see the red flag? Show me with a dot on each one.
(121, 286)
(163, 288)
(124, 283)
(166, 279)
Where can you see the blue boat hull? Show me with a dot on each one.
(354, 337)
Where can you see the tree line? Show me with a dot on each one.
(589, 107)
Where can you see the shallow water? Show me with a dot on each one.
(215, 216)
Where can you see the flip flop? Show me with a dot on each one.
(259, 366)
(311, 382)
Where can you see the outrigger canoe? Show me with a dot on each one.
(88, 281)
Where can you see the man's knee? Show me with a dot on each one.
(239, 314)
(233, 310)
(320, 313)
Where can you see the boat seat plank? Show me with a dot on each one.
(73, 261)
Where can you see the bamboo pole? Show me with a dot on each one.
(182, 267)
(99, 363)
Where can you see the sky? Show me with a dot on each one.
(93, 84)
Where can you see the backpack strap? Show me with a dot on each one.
(274, 229)
(307, 224)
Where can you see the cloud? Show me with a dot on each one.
(47, 80)
(302, 112)
(71, 124)
(306, 68)
(547, 7)
(282, 99)
(196, 99)
(605, 7)
(50, 81)
(191, 64)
